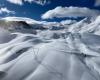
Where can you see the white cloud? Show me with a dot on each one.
(16, 1)
(5, 10)
(97, 2)
(60, 12)
(20, 2)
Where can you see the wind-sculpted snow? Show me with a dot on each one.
(30, 57)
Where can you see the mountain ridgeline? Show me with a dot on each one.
(83, 26)
(20, 26)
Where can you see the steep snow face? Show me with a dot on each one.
(93, 27)
(77, 27)
(29, 57)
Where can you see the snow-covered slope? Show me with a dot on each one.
(29, 57)
(86, 26)
(93, 27)
(71, 53)
(77, 27)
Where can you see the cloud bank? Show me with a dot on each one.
(61, 12)
(20, 2)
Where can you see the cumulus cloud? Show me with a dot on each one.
(61, 12)
(5, 10)
(20, 2)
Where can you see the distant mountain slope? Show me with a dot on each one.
(16, 26)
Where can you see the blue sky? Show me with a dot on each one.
(34, 10)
